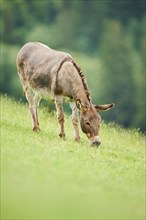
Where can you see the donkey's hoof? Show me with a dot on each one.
(77, 139)
(62, 135)
(36, 129)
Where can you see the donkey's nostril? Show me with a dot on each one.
(97, 143)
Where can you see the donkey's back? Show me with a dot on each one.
(38, 54)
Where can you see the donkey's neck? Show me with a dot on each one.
(72, 83)
(78, 92)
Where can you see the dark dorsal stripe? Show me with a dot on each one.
(83, 80)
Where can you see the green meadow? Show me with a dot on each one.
(44, 177)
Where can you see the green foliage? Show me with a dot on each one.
(137, 42)
(9, 79)
(107, 38)
(118, 76)
(43, 177)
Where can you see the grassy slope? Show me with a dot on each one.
(44, 177)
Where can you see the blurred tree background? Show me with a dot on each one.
(106, 37)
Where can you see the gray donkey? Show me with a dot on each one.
(44, 72)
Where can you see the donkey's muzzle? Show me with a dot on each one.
(95, 143)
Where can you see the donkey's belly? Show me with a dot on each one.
(45, 92)
(41, 81)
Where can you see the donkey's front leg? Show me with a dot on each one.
(75, 120)
(60, 115)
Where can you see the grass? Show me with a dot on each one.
(43, 177)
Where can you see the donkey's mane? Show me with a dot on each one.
(83, 80)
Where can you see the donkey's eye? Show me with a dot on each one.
(87, 123)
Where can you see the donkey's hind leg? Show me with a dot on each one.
(33, 100)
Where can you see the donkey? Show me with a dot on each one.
(44, 72)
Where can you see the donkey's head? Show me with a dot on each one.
(90, 120)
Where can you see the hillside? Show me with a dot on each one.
(43, 177)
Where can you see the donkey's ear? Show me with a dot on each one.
(81, 107)
(104, 107)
